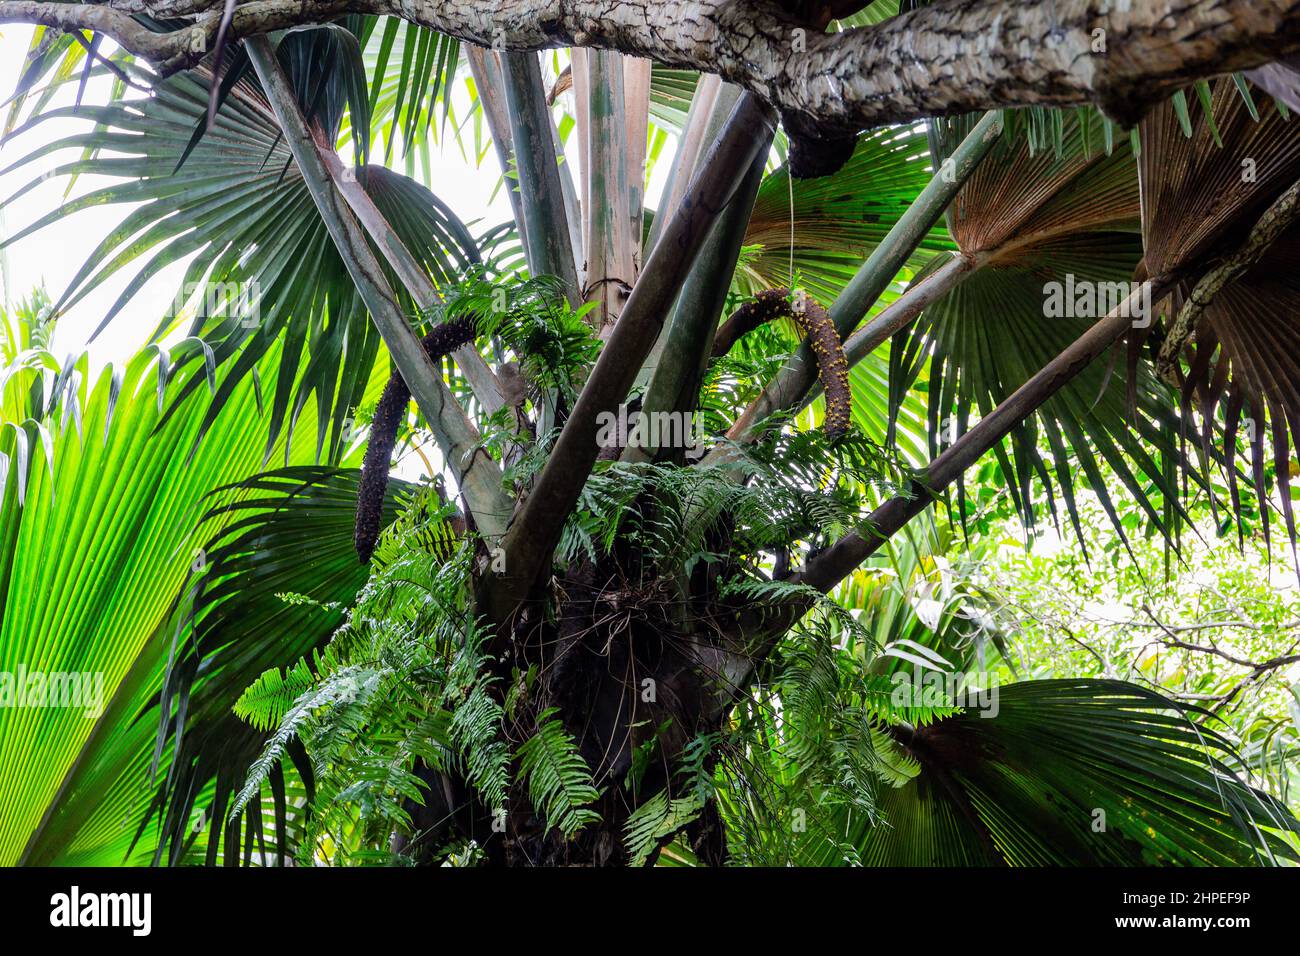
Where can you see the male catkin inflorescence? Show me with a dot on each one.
(388, 417)
(816, 324)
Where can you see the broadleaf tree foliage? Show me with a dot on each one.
(650, 602)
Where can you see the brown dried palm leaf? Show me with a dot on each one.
(1019, 197)
(1201, 197)
(1031, 218)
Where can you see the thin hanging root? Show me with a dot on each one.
(816, 325)
(389, 414)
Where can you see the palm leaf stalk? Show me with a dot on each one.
(795, 380)
(829, 568)
(537, 528)
(677, 362)
(541, 198)
(478, 477)
(483, 381)
(486, 69)
(711, 104)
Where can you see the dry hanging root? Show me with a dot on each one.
(816, 325)
(388, 418)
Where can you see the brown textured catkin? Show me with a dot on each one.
(815, 323)
(388, 417)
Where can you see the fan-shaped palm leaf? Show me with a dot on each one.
(91, 563)
(826, 227)
(1043, 223)
(1200, 196)
(239, 190)
(1074, 773)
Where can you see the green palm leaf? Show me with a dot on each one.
(239, 190)
(1075, 773)
(834, 222)
(91, 563)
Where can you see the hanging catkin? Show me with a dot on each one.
(388, 418)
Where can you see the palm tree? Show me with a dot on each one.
(580, 644)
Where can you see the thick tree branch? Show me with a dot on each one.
(954, 56)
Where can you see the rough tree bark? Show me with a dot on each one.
(953, 56)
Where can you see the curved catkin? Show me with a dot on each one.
(832, 367)
(374, 467)
(763, 308)
(818, 328)
(389, 413)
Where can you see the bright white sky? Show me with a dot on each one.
(54, 254)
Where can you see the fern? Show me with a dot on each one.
(895, 701)
(475, 729)
(265, 702)
(330, 691)
(423, 526)
(656, 820)
(558, 779)
(400, 682)
(533, 319)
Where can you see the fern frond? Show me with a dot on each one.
(656, 820)
(476, 731)
(265, 702)
(558, 779)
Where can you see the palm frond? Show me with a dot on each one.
(238, 189)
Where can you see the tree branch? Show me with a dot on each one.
(950, 57)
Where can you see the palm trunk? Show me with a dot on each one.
(613, 162)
